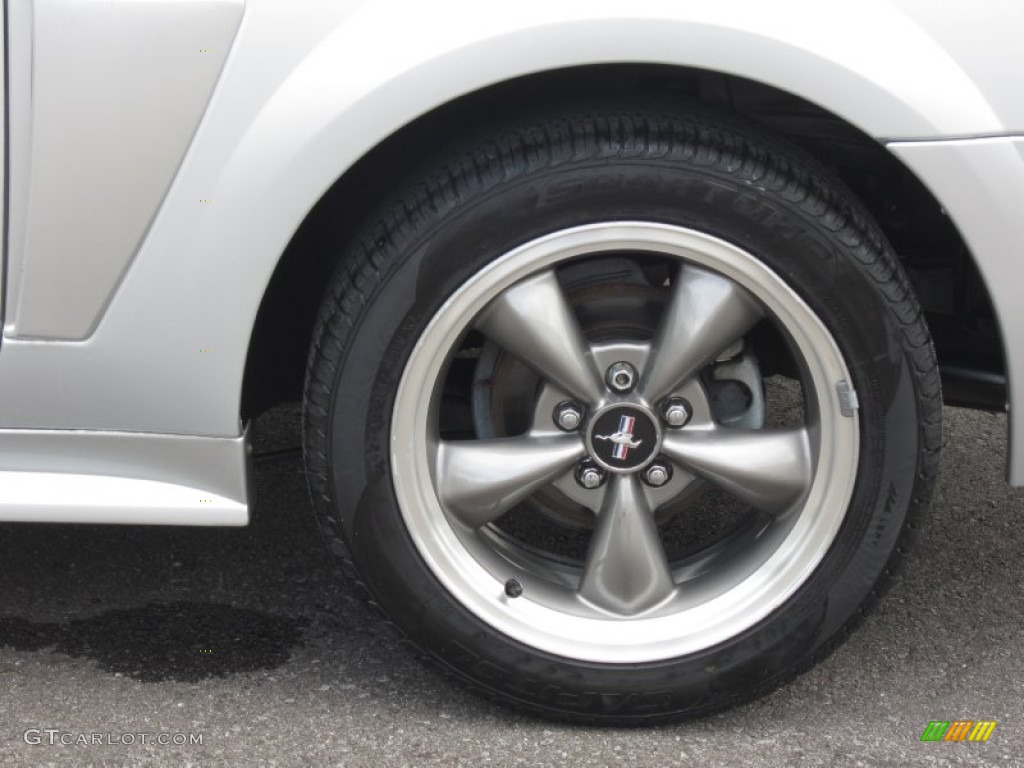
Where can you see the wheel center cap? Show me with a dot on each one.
(623, 438)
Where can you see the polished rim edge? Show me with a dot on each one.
(548, 618)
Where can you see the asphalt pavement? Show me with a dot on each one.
(126, 637)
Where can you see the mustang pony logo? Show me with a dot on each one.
(623, 439)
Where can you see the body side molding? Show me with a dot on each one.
(105, 98)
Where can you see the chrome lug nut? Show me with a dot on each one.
(675, 411)
(657, 474)
(568, 415)
(589, 476)
(621, 377)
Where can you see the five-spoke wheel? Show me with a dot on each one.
(468, 496)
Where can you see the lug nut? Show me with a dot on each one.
(657, 474)
(568, 415)
(675, 411)
(621, 377)
(589, 476)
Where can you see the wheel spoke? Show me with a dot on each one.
(705, 314)
(533, 321)
(769, 469)
(626, 569)
(480, 480)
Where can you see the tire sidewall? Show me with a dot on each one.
(822, 257)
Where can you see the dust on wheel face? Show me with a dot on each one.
(620, 598)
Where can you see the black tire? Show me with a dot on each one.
(508, 185)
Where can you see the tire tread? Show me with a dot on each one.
(607, 132)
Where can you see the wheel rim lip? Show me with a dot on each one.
(612, 639)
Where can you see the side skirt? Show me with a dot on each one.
(127, 478)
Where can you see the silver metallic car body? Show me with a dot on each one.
(137, 260)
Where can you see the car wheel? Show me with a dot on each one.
(621, 414)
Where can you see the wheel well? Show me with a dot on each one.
(941, 268)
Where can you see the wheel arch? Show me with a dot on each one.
(924, 236)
